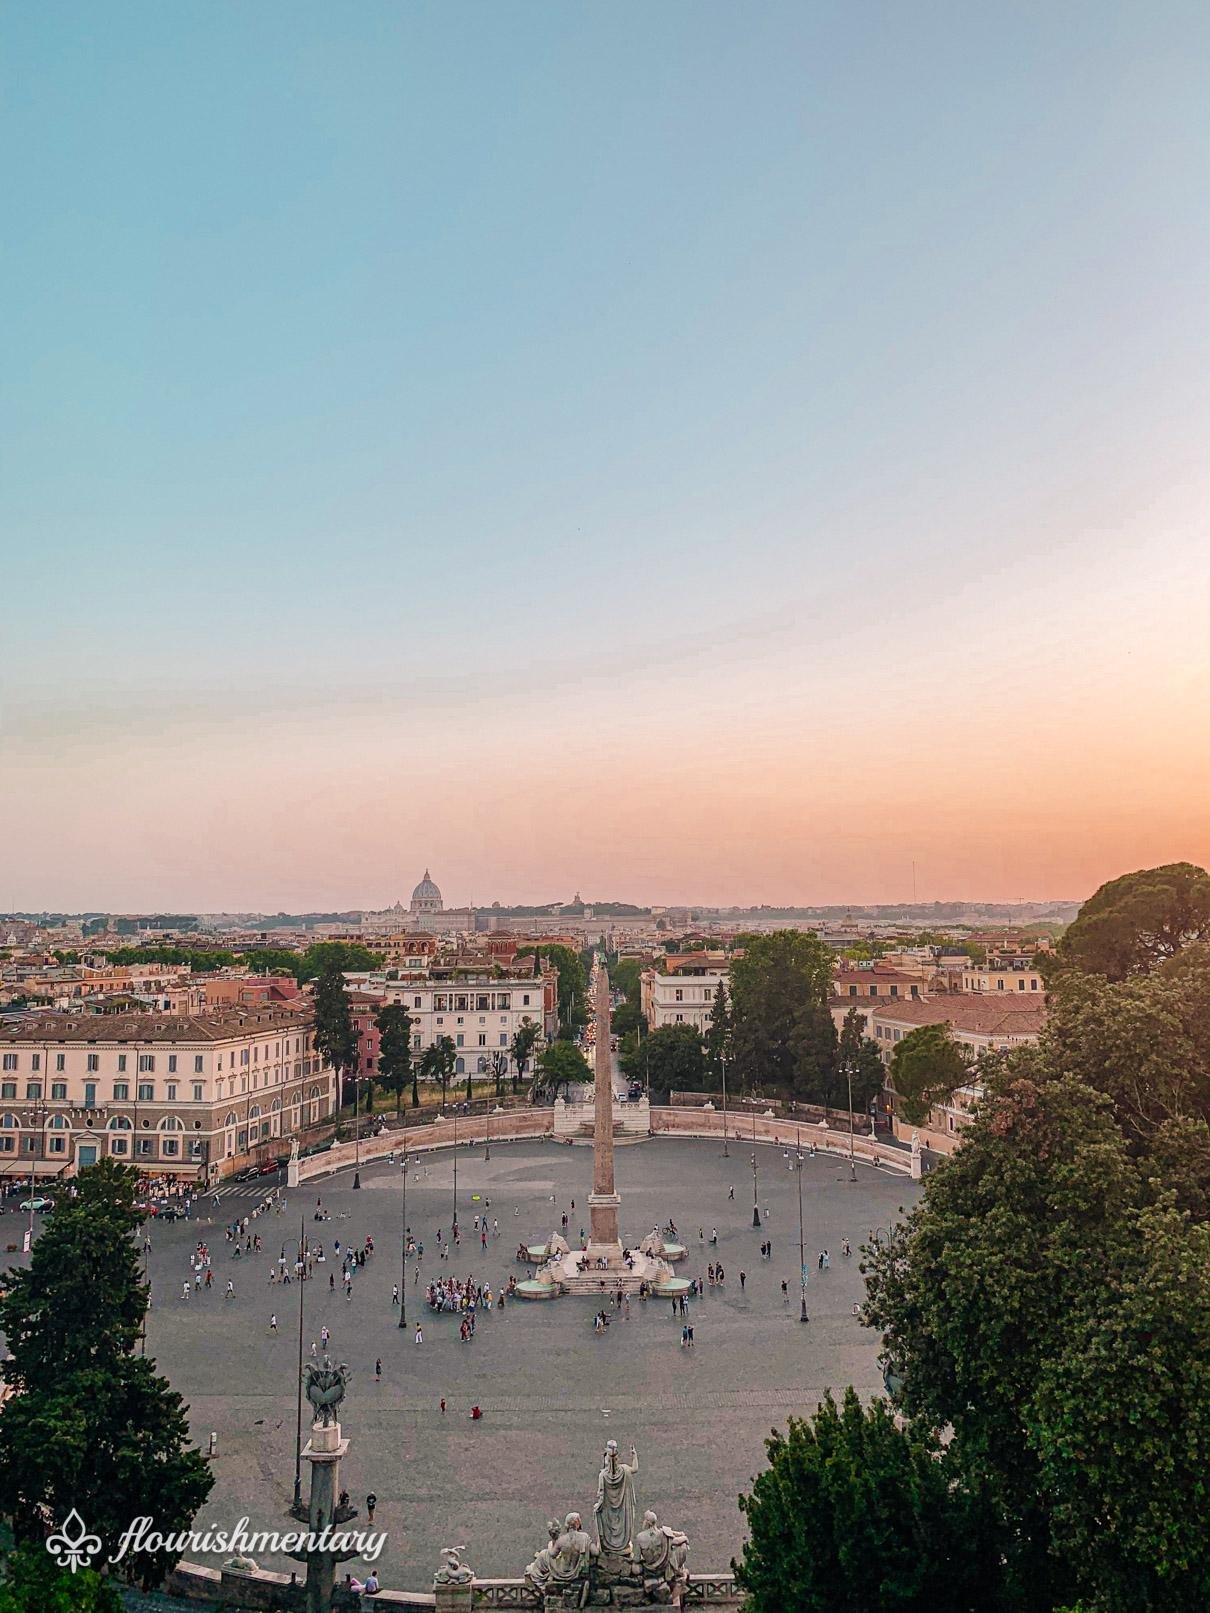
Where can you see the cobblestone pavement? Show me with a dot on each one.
(552, 1391)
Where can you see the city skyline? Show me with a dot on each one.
(723, 456)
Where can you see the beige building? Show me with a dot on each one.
(681, 988)
(985, 977)
(979, 1024)
(197, 1096)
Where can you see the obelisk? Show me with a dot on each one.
(603, 1201)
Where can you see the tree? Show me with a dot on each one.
(856, 1515)
(395, 1052)
(573, 988)
(720, 1030)
(858, 1055)
(560, 1065)
(33, 1586)
(524, 1037)
(342, 956)
(779, 993)
(1038, 1305)
(442, 1058)
(1134, 923)
(91, 1426)
(926, 1067)
(335, 1034)
(669, 1060)
(627, 977)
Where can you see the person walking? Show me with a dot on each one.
(743, 1278)
(273, 1323)
(230, 1294)
(371, 1503)
(395, 1294)
(443, 1405)
(378, 1370)
(419, 1334)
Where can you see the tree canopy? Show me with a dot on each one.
(92, 1426)
(926, 1067)
(560, 1064)
(856, 1515)
(1041, 1305)
(783, 1032)
(670, 1059)
(573, 987)
(395, 1070)
(1136, 922)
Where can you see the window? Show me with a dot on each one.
(121, 1091)
(482, 1039)
(57, 1145)
(90, 1094)
(415, 1002)
(1020, 985)
(60, 1061)
(458, 1039)
(146, 1091)
(525, 1000)
(678, 996)
(33, 1090)
(170, 1147)
(873, 991)
(121, 1063)
(144, 1145)
(94, 1063)
(503, 1038)
(1033, 984)
(197, 1092)
(8, 1089)
(58, 1089)
(172, 1064)
(35, 1063)
(10, 1061)
(197, 1064)
(170, 1092)
(146, 1063)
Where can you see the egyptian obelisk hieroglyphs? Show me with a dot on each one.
(603, 1201)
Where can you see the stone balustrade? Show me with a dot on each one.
(519, 1125)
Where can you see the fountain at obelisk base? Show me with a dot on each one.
(604, 1266)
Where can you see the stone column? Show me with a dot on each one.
(603, 1201)
(324, 1450)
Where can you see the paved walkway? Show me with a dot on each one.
(552, 1391)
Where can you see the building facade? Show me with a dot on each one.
(680, 990)
(195, 1097)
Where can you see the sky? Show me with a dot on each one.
(690, 452)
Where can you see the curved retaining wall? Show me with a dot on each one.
(519, 1125)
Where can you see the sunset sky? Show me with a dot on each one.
(683, 452)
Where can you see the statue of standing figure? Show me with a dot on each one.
(615, 1504)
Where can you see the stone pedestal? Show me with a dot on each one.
(453, 1598)
(324, 1451)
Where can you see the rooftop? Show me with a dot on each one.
(979, 1013)
(213, 1027)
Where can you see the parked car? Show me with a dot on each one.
(37, 1204)
(271, 1167)
(248, 1174)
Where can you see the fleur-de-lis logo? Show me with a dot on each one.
(73, 1547)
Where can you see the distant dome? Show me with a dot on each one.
(426, 898)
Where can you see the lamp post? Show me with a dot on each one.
(302, 1277)
(755, 1203)
(356, 1133)
(403, 1247)
(848, 1072)
(802, 1248)
(455, 1164)
(723, 1062)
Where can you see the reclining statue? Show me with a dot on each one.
(562, 1565)
(664, 1555)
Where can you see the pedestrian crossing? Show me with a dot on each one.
(241, 1190)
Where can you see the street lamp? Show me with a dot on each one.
(848, 1072)
(302, 1277)
(802, 1248)
(403, 1247)
(723, 1062)
(356, 1133)
(455, 1164)
(755, 1203)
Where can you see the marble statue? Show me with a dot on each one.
(453, 1570)
(663, 1555)
(615, 1507)
(325, 1386)
(294, 1150)
(557, 1247)
(538, 1572)
(652, 1244)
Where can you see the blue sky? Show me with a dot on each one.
(409, 391)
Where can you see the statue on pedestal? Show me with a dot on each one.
(615, 1505)
(664, 1557)
(325, 1386)
(453, 1570)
